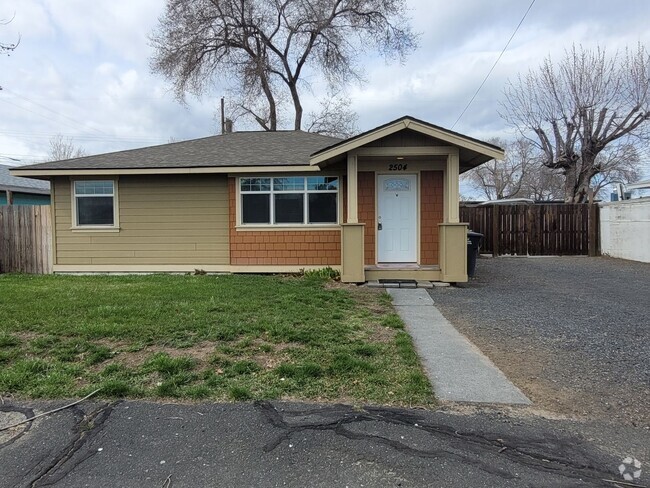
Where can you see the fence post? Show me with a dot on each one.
(593, 225)
(495, 230)
(593, 230)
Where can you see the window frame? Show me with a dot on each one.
(305, 192)
(76, 226)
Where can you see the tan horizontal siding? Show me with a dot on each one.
(164, 220)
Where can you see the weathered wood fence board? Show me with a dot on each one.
(536, 230)
(25, 239)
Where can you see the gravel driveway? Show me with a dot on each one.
(572, 332)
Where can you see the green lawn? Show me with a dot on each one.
(204, 337)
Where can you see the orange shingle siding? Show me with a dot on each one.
(281, 248)
(431, 209)
(366, 181)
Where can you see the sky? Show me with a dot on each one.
(81, 69)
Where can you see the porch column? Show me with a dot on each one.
(453, 252)
(353, 189)
(452, 191)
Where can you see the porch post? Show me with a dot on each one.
(452, 187)
(352, 232)
(452, 234)
(353, 188)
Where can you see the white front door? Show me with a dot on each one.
(397, 218)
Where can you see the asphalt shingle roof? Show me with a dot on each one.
(236, 149)
(16, 183)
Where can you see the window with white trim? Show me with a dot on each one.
(94, 202)
(291, 200)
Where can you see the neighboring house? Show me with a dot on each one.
(382, 204)
(22, 191)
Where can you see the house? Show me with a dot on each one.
(22, 191)
(382, 204)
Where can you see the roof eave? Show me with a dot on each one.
(477, 160)
(36, 173)
(25, 189)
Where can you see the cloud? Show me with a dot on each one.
(113, 27)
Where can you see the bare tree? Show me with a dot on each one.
(334, 118)
(520, 174)
(269, 48)
(62, 148)
(499, 179)
(577, 108)
(542, 183)
(617, 163)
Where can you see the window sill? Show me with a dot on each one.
(286, 228)
(94, 229)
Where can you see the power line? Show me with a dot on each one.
(80, 137)
(54, 111)
(39, 114)
(495, 63)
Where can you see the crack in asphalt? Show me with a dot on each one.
(551, 455)
(27, 412)
(87, 427)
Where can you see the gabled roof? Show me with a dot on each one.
(22, 185)
(237, 149)
(472, 151)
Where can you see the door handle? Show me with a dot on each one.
(378, 225)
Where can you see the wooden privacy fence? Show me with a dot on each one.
(25, 239)
(535, 229)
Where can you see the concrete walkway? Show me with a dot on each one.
(458, 370)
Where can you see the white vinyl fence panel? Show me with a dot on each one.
(625, 229)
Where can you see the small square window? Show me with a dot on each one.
(95, 211)
(94, 202)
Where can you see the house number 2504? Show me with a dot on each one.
(397, 167)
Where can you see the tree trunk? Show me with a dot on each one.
(273, 111)
(576, 184)
(570, 183)
(297, 106)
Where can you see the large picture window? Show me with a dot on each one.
(293, 200)
(95, 202)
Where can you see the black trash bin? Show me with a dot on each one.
(473, 245)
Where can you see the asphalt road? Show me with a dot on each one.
(137, 444)
(572, 332)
